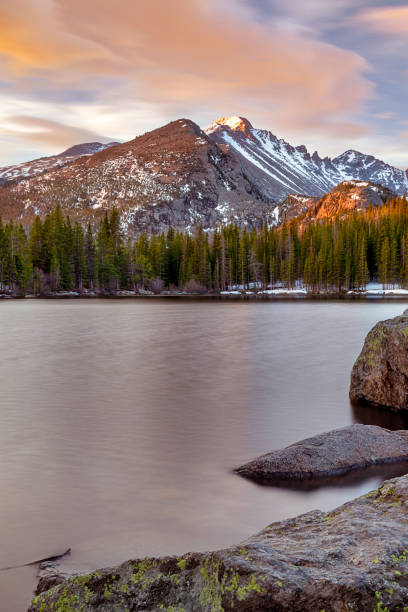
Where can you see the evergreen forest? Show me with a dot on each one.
(333, 255)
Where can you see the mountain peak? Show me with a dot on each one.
(234, 123)
(352, 156)
(86, 148)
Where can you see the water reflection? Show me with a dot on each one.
(374, 415)
(353, 478)
(121, 421)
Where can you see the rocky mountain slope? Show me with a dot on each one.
(175, 175)
(180, 175)
(29, 169)
(279, 169)
(293, 206)
(355, 165)
(346, 197)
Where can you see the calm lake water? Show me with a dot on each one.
(121, 422)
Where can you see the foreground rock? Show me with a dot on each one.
(331, 453)
(380, 374)
(354, 558)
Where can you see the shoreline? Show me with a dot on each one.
(227, 295)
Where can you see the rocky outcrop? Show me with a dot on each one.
(353, 558)
(295, 205)
(50, 574)
(380, 373)
(346, 197)
(349, 196)
(331, 453)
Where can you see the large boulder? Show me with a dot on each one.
(380, 373)
(329, 454)
(353, 558)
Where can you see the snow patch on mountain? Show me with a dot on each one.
(280, 169)
(43, 164)
(181, 176)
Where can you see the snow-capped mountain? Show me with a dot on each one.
(279, 169)
(173, 176)
(355, 165)
(38, 166)
(181, 176)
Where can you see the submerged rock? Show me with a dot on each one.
(353, 558)
(380, 373)
(331, 453)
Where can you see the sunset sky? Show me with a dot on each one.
(330, 75)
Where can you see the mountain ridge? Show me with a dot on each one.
(284, 169)
(172, 176)
(182, 176)
(36, 166)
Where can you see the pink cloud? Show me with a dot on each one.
(185, 54)
(385, 20)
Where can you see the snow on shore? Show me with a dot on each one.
(378, 289)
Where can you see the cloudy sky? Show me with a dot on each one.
(331, 75)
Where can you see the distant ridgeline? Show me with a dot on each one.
(331, 255)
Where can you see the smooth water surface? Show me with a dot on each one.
(121, 421)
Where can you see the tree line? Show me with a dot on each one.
(332, 255)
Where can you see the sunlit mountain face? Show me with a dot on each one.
(184, 177)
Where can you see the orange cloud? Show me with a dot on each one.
(32, 38)
(386, 20)
(186, 54)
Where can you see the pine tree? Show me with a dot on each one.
(384, 266)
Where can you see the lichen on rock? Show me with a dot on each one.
(353, 558)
